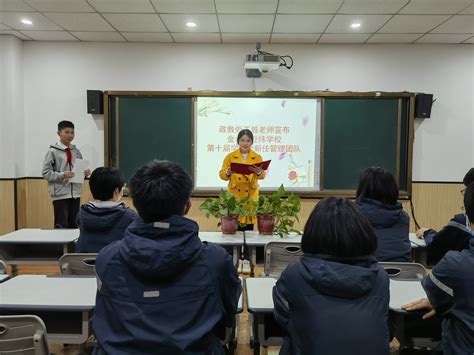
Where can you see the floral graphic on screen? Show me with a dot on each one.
(211, 107)
(305, 120)
(297, 173)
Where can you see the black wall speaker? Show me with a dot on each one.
(95, 101)
(423, 104)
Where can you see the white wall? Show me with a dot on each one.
(57, 75)
(12, 125)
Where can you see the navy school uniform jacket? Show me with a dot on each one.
(392, 227)
(450, 289)
(163, 291)
(333, 306)
(101, 223)
(454, 236)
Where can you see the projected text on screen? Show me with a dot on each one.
(286, 130)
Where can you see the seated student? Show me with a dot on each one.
(450, 291)
(335, 299)
(454, 236)
(103, 220)
(161, 290)
(377, 199)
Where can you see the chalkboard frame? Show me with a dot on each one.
(404, 194)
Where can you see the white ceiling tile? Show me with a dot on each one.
(136, 22)
(79, 21)
(197, 37)
(128, 6)
(372, 6)
(425, 7)
(412, 23)
(469, 40)
(246, 23)
(50, 35)
(443, 38)
(245, 37)
(177, 22)
(99, 36)
(40, 22)
(343, 38)
(301, 23)
(294, 38)
(246, 6)
(457, 24)
(147, 37)
(308, 6)
(4, 27)
(184, 6)
(369, 23)
(394, 37)
(17, 34)
(60, 5)
(14, 5)
(468, 11)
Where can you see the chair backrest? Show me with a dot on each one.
(23, 335)
(77, 264)
(404, 271)
(279, 254)
(3, 267)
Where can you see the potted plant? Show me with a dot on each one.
(277, 213)
(227, 208)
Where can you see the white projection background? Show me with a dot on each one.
(286, 130)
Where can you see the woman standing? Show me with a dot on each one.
(240, 185)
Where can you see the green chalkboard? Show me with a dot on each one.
(358, 133)
(151, 128)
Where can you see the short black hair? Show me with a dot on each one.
(65, 124)
(245, 132)
(159, 190)
(468, 178)
(336, 227)
(104, 181)
(469, 202)
(377, 184)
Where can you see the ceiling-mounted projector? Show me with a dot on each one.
(263, 62)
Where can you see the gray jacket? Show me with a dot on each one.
(54, 166)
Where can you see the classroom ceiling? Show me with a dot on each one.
(240, 21)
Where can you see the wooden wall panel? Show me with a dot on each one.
(434, 203)
(35, 206)
(7, 206)
(21, 203)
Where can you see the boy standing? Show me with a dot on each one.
(57, 169)
(160, 289)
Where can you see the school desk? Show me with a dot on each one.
(409, 328)
(64, 303)
(254, 240)
(36, 246)
(234, 241)
(418, 250)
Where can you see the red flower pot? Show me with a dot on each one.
(229, 224)
(265, 224)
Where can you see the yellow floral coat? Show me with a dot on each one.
(242, 185)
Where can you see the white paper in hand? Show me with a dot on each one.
(79, 166)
